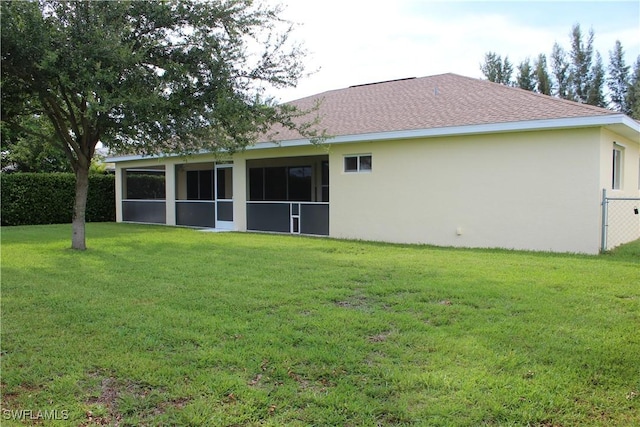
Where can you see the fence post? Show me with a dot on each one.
(605, 213)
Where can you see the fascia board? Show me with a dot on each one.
(117, 159)
(521, 126)
(129, 158)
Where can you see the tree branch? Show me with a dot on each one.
(72, 119)
(55, 114)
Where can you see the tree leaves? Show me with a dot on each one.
(618, 81)
(147, 76)
(496, 70)
(578, 74)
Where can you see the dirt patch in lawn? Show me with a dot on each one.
(112, 400)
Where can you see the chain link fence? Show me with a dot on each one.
(620, 220)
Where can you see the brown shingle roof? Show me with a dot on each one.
(439, 101)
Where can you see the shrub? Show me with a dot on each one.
(145, 186)
(47, 198)
(101, 201)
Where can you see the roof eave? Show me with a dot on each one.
(618, 123)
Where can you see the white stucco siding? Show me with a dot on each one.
(537, 190)
(529, 190)
(622, 223)
(630, 168)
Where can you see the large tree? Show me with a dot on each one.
(595, 92)
(633, 91)
(578, 74)
(525, 79)
(618, 81)
(145, 76)
(560, 71)
(496, 70)
(541, 76)
(581, 55)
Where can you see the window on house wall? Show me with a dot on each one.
(200, 185)
(616, 179)
(280, 184)
(358, 163)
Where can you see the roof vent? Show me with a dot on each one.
(386, 81)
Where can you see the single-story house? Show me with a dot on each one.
(444, 160)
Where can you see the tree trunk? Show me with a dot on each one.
(78, 240)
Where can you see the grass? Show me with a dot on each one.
(169, 326)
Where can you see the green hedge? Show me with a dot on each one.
(145, 186)
(47, 198)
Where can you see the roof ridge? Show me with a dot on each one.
(495, 85)
(382, 82)
(434, 102)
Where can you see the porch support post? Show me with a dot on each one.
(170, 192)
(120, 184)
(239, 193)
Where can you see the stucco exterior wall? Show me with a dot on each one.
(527, 190)
(536, 190)
(630, 168)
(622, 222)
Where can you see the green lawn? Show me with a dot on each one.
(169, 326)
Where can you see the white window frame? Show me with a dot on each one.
(617, 173)
(359, 163)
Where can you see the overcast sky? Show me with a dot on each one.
(363, 41)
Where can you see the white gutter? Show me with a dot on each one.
(632, 129)
(522, 126)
